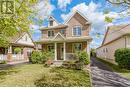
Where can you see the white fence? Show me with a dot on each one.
(3, 57)
(17, 57)
(14, 57)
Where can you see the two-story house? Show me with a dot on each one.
(65, 39)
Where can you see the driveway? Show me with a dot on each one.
(102, 76)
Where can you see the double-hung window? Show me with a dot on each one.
(62, 31)
(50, 33)
(77, 46)
(77, 31)
(50, 47)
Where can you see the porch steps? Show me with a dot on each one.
(57, 63)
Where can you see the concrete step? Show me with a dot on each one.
(58, 63)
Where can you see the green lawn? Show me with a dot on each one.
(34, 75)
(123, 72)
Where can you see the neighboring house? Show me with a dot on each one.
(22, 41)
(115, 37)
(65, 39)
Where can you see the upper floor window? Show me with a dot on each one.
(62, 31)
(51, 23)
(50, 33)
(77, 31)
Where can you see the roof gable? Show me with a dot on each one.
(59, 36)
(114, 32)
(24, 39)
(80, 15)
(55, 22)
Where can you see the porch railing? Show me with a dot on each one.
(17, 57)
(70, 56)
(3, 57)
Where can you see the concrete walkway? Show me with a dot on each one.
(102, 76)
(12, 64)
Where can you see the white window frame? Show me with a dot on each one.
(48, 47)
(61, 30)
(73, 30)
(48, 33)
(74, 50)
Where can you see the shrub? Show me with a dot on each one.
(50, 55)
(122, 57)
(73, 65)
(17, 50)
(83, 57)
(41, 57)
(93, 52)
(38, 57)
(3, 62)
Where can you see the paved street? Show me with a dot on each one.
(102, 76)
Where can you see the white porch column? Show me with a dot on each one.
(55, 51)
(10, 49)
(9, 54)
(64, 50)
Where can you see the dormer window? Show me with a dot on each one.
(51, 23)
(77, 31)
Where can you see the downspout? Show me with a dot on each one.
(125, 41)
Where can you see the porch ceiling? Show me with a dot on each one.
(68, 39)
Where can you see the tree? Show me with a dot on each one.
(19, 22)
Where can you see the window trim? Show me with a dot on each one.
(74, 46)
(62, 30)
(73, 30)
(50, 23)
(48, 47)
(48, 33)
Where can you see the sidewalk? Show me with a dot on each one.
(14, 63)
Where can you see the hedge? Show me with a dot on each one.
(122, 57)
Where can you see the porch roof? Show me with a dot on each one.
(67, 39)
(23, 44)
(54, 27)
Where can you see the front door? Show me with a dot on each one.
(59, 51)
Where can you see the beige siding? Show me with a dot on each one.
(109, 54)
(73, 22)
(116, 32)
(25, 40)
(128, 41)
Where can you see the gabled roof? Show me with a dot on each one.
(18, 36)
(115, 32)
(59, 36)
(81, 14)
(53, 19)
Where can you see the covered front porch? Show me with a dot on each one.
(65, 50)
(9, 54)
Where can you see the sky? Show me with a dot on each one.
(94, 10)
